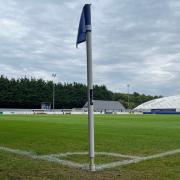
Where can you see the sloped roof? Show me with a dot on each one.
(171, 102)
(106, 105)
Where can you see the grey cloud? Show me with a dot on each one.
(134, 42)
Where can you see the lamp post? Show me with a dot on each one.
(54, 76)
(128, 86)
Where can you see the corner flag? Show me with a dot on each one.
(84, 24)
(84, 34)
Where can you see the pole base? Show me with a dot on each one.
(92, 167)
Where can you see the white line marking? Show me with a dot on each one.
(55, 158)
(96, 153)
(139, 159)
(117, 155)
(68, 154)
(17, 151)
(42, 157)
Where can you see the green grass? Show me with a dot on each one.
(126, 134)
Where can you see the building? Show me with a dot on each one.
(165, 105)
(45, 105)
(106, 106)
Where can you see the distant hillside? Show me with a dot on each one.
(29, 93)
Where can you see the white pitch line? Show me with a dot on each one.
(63, 162)
(117, 155)
(68, 154)
(17, 151)
(54, 158)
(139, 159)
(42, 157)
(96, 153)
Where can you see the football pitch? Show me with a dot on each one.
(56, 147)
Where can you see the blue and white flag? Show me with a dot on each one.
(84, 24)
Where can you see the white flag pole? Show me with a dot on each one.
(84, 34)
(90, 97)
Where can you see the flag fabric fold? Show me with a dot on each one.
(84, 24)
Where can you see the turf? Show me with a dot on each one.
(126, 134)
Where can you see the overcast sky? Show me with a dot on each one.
(135, 42)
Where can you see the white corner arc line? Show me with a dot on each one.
(54, 158)
(116, 155)
(96, 153)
